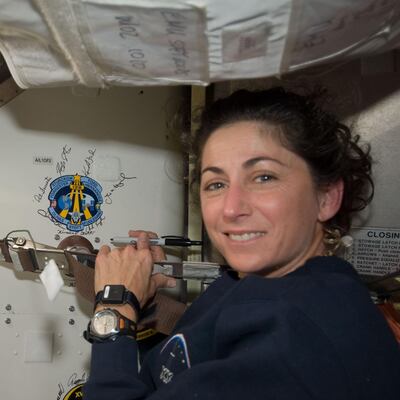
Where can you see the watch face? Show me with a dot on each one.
(104, 323)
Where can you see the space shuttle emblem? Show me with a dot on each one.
(75, 201)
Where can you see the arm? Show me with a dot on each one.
(263, 356)
(131, 267)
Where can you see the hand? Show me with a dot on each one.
(132, 267)
(156, 251)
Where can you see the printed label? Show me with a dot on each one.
(42, 160)
(375, 251)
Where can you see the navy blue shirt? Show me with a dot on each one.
(312, 334)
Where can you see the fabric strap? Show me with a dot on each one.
(22, 259)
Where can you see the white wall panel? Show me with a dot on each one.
(104, 134)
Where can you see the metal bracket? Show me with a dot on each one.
(28, 255)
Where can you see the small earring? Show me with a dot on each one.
(347, 241)
(332, 240)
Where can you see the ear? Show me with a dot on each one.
(330, 199)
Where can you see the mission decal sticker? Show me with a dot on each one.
(75, 393)
(75, 201)
(174, 358)
(72, 389)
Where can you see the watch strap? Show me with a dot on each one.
(132, 300)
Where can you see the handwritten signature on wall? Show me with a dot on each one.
(63, 163)
(73, 381)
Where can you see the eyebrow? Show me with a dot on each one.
(254, 161)
(247, 164)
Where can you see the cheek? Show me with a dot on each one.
(275, 208)
(303, 213)
(211, 216)
(287, 209)
(207, 211)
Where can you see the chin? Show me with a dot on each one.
(247, 266)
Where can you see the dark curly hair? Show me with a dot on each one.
(327, 145)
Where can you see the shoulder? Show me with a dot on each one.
(317, 276)
(320, 316)
(324, 289)
(325, 296)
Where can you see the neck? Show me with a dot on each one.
(316, 248)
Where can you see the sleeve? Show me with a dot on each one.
(114, 372)
(267, 353)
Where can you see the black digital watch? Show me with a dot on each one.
(117, 294)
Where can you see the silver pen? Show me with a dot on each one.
(168, 241)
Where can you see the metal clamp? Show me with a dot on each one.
(30, 256)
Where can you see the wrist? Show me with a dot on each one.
(119, 298)
(124, 309)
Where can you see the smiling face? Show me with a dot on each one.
(259, 203)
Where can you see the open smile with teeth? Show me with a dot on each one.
(245, 236)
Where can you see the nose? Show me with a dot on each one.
(236, 202)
